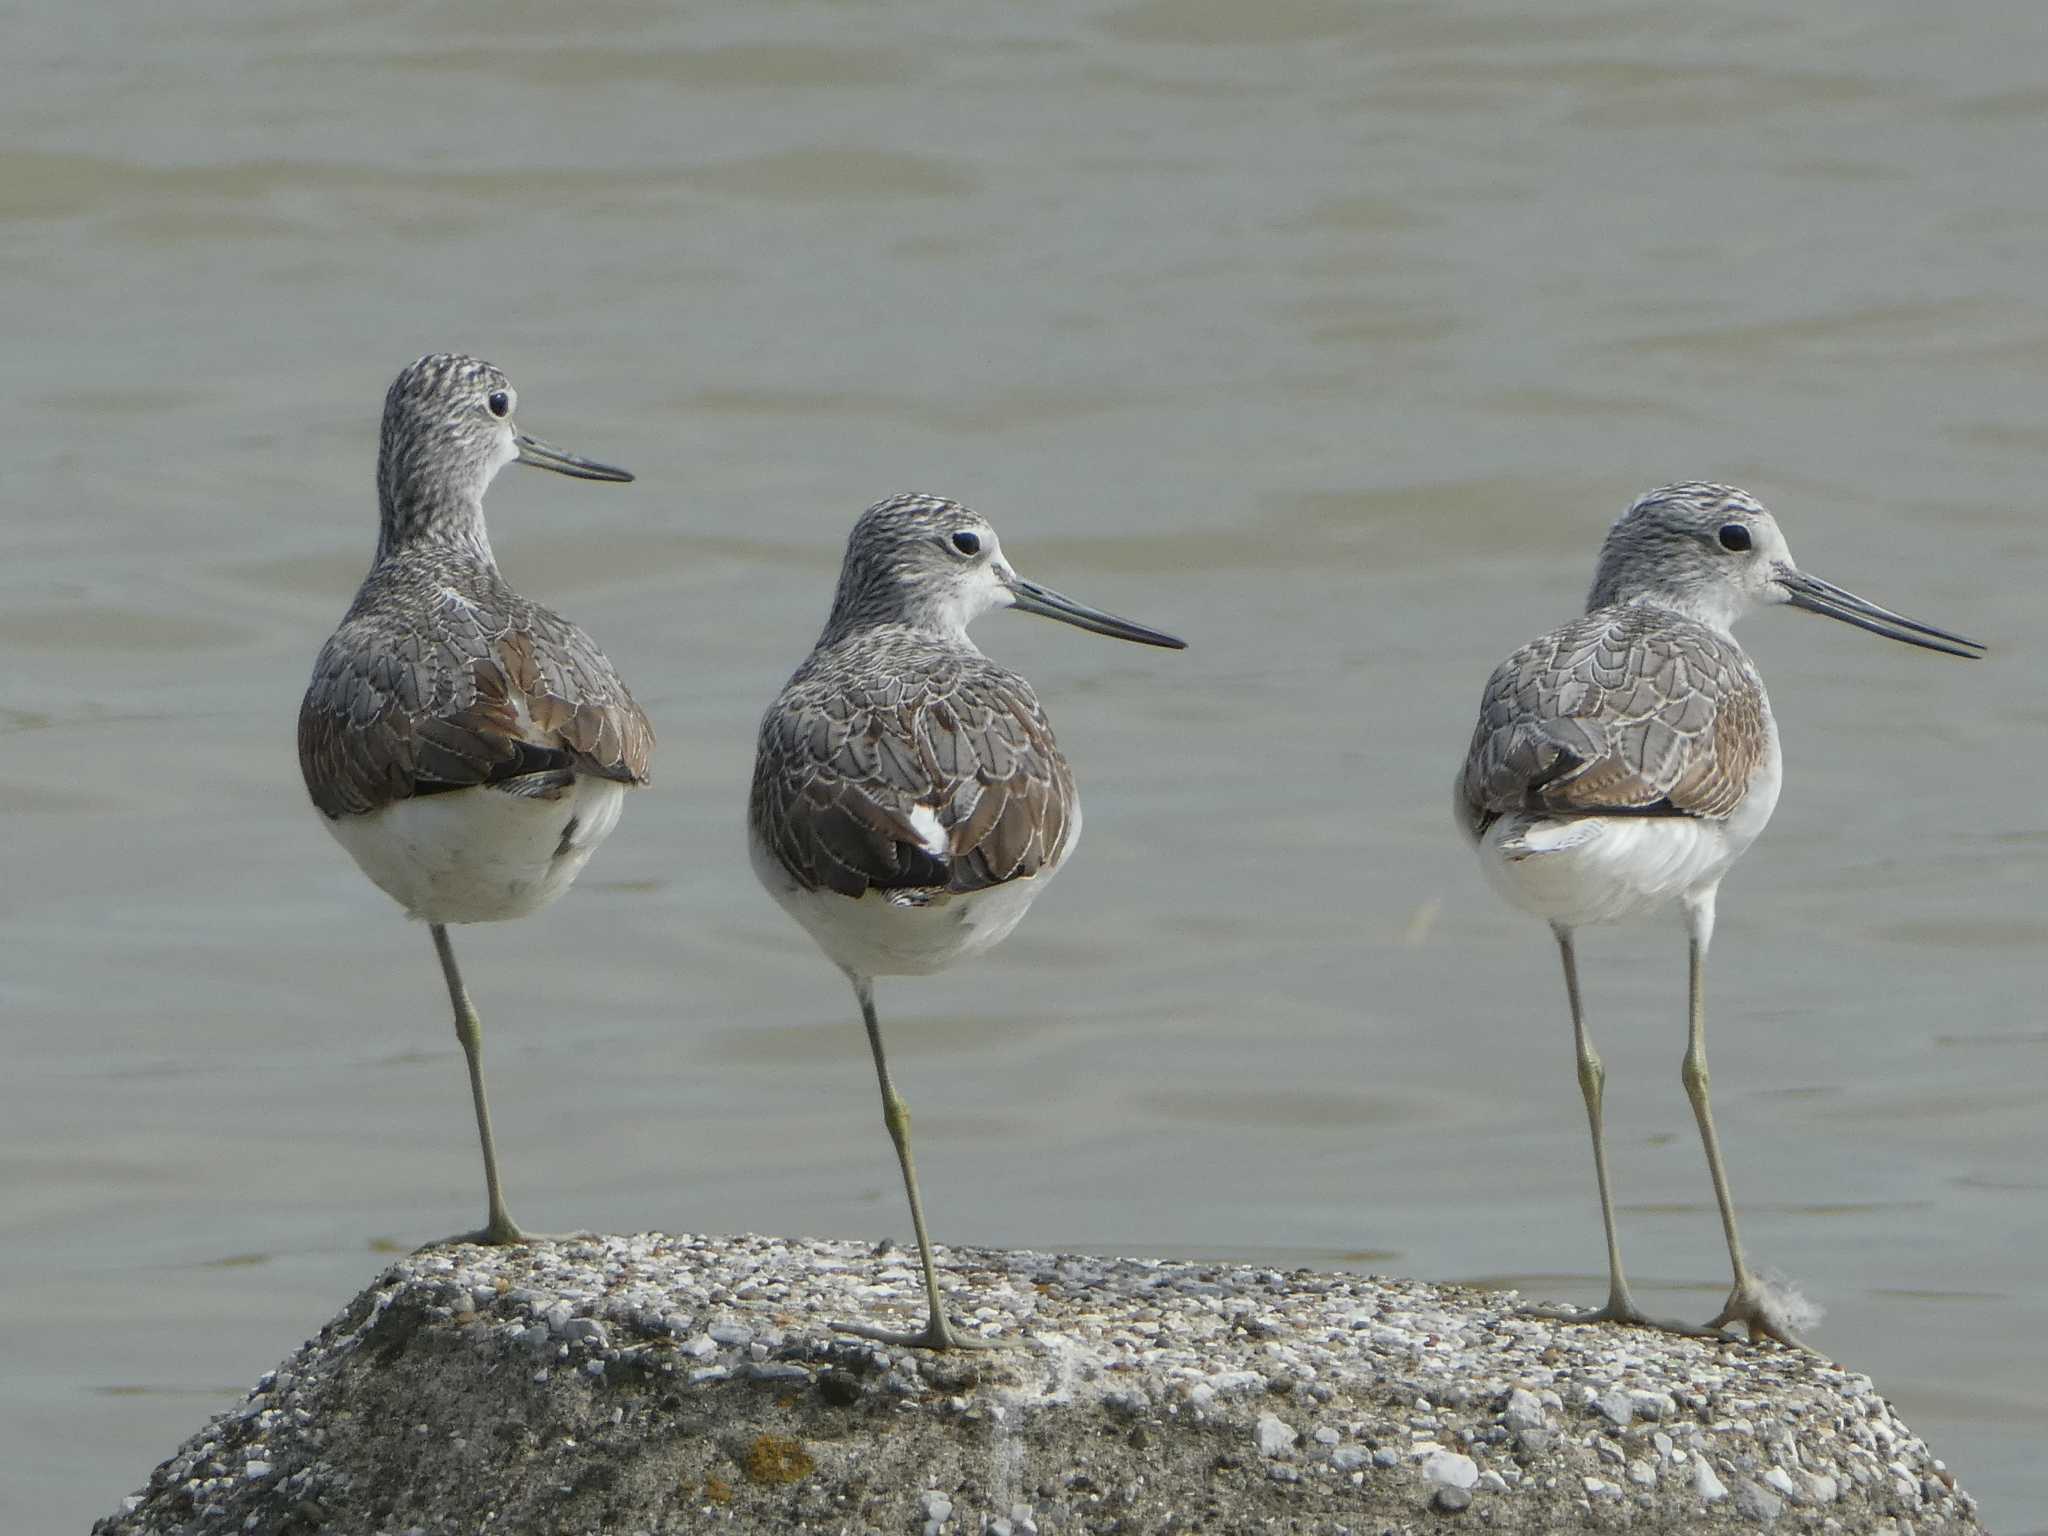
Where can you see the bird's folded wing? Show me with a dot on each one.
(395, 713)
(950, 782)
(1623, 711)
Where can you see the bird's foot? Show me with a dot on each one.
(1751, 1304)
(501, 1231)
(1620, 1308)
(937, 1333)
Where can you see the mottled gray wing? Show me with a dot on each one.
(399, 708)
(941, 775)
(1625, 710)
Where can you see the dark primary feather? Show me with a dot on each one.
(421, 690)
(888, 720)
(1630, 709)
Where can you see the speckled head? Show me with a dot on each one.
(926, 562)
(1713, 552)
(447, 432)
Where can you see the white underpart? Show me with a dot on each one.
(1573, 870)
(871, 935)
(481, 855)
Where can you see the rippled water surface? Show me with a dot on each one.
(1329, 336)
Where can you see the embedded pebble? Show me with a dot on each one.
(1275, 1437)
(1617, 1407)
(1706, 1483)
(1450, 1470)
(1524, 1410)
(1758, 1502)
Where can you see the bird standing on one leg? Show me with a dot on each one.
(470, 749)
(1624, 762)
(909, 801)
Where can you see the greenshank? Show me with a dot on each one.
(1625, 761)
(909, 801)
(469, 748)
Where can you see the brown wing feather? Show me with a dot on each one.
(858, 742)
(422, 689)
(1626, 710)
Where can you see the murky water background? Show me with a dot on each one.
(1331, 337)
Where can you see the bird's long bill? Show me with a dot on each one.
(537, 453)
(1817, 596)
(1032, 598)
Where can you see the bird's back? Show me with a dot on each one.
(896, 763)
(1633, 710)
(441, 677)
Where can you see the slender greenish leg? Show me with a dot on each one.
(1746, 1300)
(1621, 1306)
(499, 1227)
(937, 1333)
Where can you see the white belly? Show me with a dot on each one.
(1615, 869)
(871, 935)
(481, 855)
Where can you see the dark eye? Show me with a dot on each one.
(967, 543)
(1734, 537)
(500, 403)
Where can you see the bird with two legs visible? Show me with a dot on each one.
(469, 748)
(1625, 761)
(908, 800)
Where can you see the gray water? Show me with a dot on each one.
(1331, 337)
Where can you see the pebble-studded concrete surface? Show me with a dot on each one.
(672, 1383)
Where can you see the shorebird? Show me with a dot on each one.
(469, 748)
(909, 801)
(1625, 761)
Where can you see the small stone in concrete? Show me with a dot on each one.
(1524, 1410)
(936, 1508)
(1616, 1406)
(1451, 1500)
(1275, 1436)
(1448, 1469)
(1758, 1502)
(1706, 1483)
